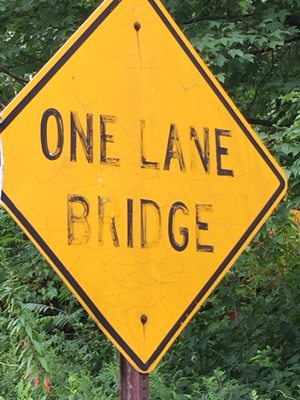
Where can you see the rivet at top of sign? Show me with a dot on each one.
(137, 26)
(144, 319)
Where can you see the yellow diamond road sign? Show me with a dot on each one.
(131, 170)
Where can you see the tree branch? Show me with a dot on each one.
(292, 20)
(218, 18)
(292, 39)
(259, 121)
(12, 75)
(257, 52)
(262, 83)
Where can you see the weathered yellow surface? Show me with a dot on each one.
(135, 175)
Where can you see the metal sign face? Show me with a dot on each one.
(135, 175)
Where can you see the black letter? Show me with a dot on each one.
(174, 140)
(60, 134)
(183, 231)
(204, 155)
(83, 227)
(129, 222)
(86, 141)
(204, 227)
(144, 162)
(105, 138)
(222, 151)
(144, 241)
(102, 221)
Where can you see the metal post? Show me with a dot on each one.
(133, 384)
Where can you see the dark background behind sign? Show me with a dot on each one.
(245, 341)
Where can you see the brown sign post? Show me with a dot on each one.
(133, 384)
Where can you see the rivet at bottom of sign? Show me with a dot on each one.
(137, 26)
(144, 319)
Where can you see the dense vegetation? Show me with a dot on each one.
(245, 343)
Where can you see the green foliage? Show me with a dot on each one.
(31, 31)
(250, 326)
(41, 327)
(286, 141)
(245, 342)
(250, 45)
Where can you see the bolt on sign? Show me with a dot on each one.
(135, 175)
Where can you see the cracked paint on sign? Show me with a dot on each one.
(135, 175)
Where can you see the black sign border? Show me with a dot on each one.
(144, 366)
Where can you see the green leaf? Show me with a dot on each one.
(235, 53)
